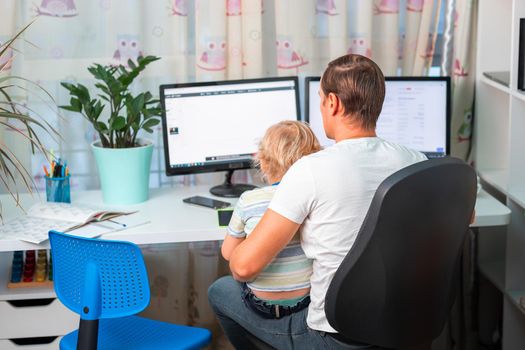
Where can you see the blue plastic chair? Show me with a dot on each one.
(107, 281)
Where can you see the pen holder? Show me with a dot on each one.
(58, 189)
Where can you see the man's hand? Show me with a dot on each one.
(269, 237)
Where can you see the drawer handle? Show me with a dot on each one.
(33, 341)
(31, 302)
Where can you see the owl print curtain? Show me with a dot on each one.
(222, 39)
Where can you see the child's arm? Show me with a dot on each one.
(236, 234)
(229, 245)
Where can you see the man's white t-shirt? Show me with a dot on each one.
(329, 193)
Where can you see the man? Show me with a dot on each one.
(327, 194)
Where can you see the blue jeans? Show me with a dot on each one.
(266, 310)
(241, 324)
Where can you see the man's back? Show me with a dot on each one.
(329, 193)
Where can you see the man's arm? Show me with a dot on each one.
(229, 245)
(269, 237)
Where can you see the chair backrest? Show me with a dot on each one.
(99, 278)
(397, 284)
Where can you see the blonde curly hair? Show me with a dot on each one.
(282, 145)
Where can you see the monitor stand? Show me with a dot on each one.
(227, 189)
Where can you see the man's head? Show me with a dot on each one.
(352, 94)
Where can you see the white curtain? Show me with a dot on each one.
(200, 40)
(464, 77)
(212, 40)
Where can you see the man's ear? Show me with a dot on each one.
(334, 104)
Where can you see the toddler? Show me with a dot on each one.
(283, 286)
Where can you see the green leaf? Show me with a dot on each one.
(118, 123)
(131, 64)
(75, 103)
(102, 126)
(102, 87)
(138, 102)
(69, 108)
(83, 93)
(148, 124)
(72, 88)
(97, 109)
(105, 98)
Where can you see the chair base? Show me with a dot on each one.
(87, 335)
(138, 333)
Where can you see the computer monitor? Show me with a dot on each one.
(216, 126)
(416, 113)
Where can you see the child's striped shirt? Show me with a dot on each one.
(290, 269)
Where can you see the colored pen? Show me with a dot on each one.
(58, 171)
(116, 222)
(45, 171)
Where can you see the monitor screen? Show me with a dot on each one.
(415, 113)
(216, 126)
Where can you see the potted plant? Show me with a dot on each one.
(123, 159)
(21, 120)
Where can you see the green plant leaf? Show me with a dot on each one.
(148, 124)
(138, 102)
(97, 109)
(76, 104)
(102, 126)
(102, 87)
(69, 108)
(8, 43)
(131, 64)
(70, 87)
(118, 123)
(12, 169)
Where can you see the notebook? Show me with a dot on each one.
(64, 217)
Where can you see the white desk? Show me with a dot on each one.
(172, 221)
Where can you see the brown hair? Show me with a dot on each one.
(359, 84)
(283, 144)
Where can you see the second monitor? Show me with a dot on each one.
(416, 113)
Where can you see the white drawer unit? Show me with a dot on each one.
(24, 321)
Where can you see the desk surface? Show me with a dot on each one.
(172, 221)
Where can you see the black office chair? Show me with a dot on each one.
(397, 284)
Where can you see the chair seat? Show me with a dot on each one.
(138, 333)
